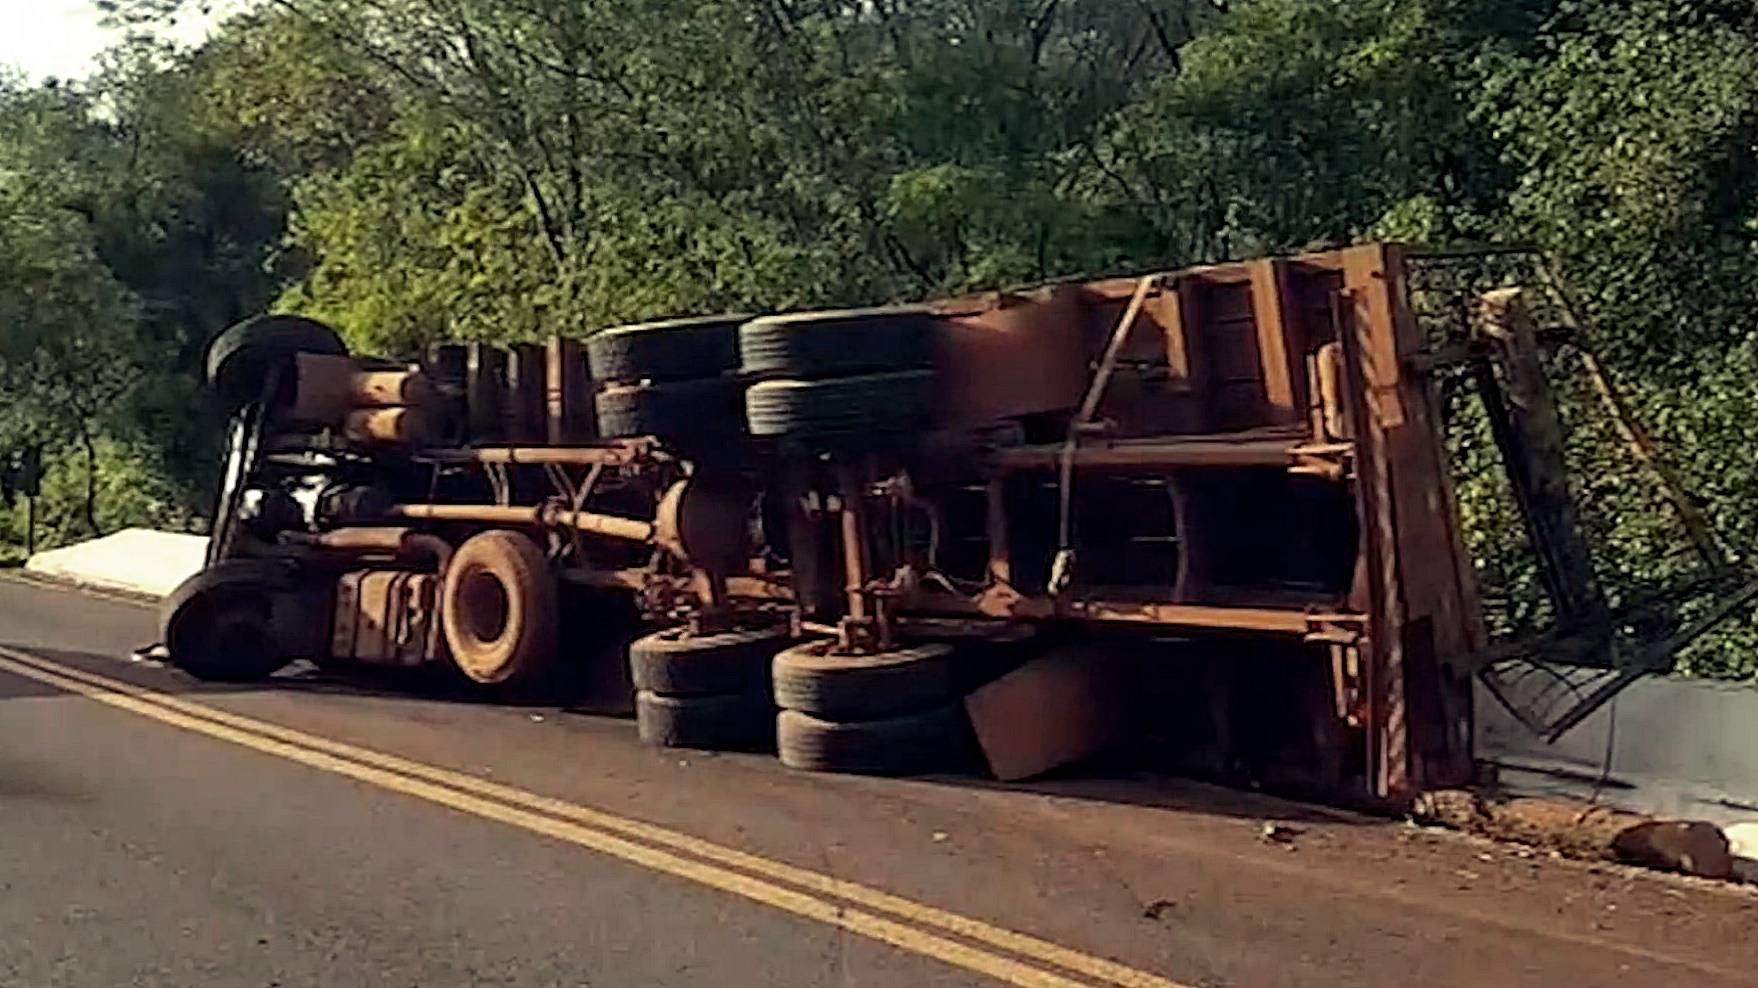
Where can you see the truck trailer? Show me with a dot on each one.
(823, 531)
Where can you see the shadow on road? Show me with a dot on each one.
(147, 674)
(573, 690)
(1120, 783)
(1103, 780)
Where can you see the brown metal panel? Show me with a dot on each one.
(1016, 358)
(995, 519)
(1228, 367)
(1144, 402)
(486, 392)
(385, 617)
(524, 409)
(1166, 453)
(388, 426)
(567, 394)
(345, 619)
(1192, 310)
(1377, 575)
(1234, 359)
(1279, 343)
(1237, 405)
(1173, 311)
(1364, 276)
(1229, 302)
(1415, 565)
(1314, 290)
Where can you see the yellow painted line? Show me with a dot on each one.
(587, 827)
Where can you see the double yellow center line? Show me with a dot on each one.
(1004, 955)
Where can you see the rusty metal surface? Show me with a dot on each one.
(1248, 450)
(1016, 355)
(485, 387)
(704, 524)
(568, 394)
(610, 452)
(389, 389)
(547, 515)
(524, 409)
(386, 617)
(1159, 454)
(321, 385)
(387, 427)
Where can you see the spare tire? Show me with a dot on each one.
(499, 608)
(723, 722)
(812, 680)
(843, 408)
(673, 350)
(239, 360)
(707, 410)
(675, 663)
(832, 344)
(933, 740)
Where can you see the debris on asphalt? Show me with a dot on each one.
(1047, 713)
(1158, 909)
(1689, 846)
(1582, 830)
(1279, 833)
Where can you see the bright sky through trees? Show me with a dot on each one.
(60, 38)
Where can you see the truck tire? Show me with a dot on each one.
(704, 411)
(726, 722)
(239, 360)
(841, 410)
(676, 663)
(810, 679)
(673, 350)
(498, 608)
(836, 344)
(934, 740)
(218, 625)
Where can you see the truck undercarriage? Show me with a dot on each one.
(1227, 486)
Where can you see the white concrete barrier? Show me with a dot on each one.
(136, 560)
(1670, 747)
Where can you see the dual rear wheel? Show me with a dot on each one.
(707, 691)
(820, 379)
(896, 712)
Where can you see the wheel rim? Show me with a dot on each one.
(487, 627)
(487, 609)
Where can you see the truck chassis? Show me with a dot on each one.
(1231, 474)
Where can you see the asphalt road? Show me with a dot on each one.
(312, 832)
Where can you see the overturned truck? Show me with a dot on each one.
(829, 531)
